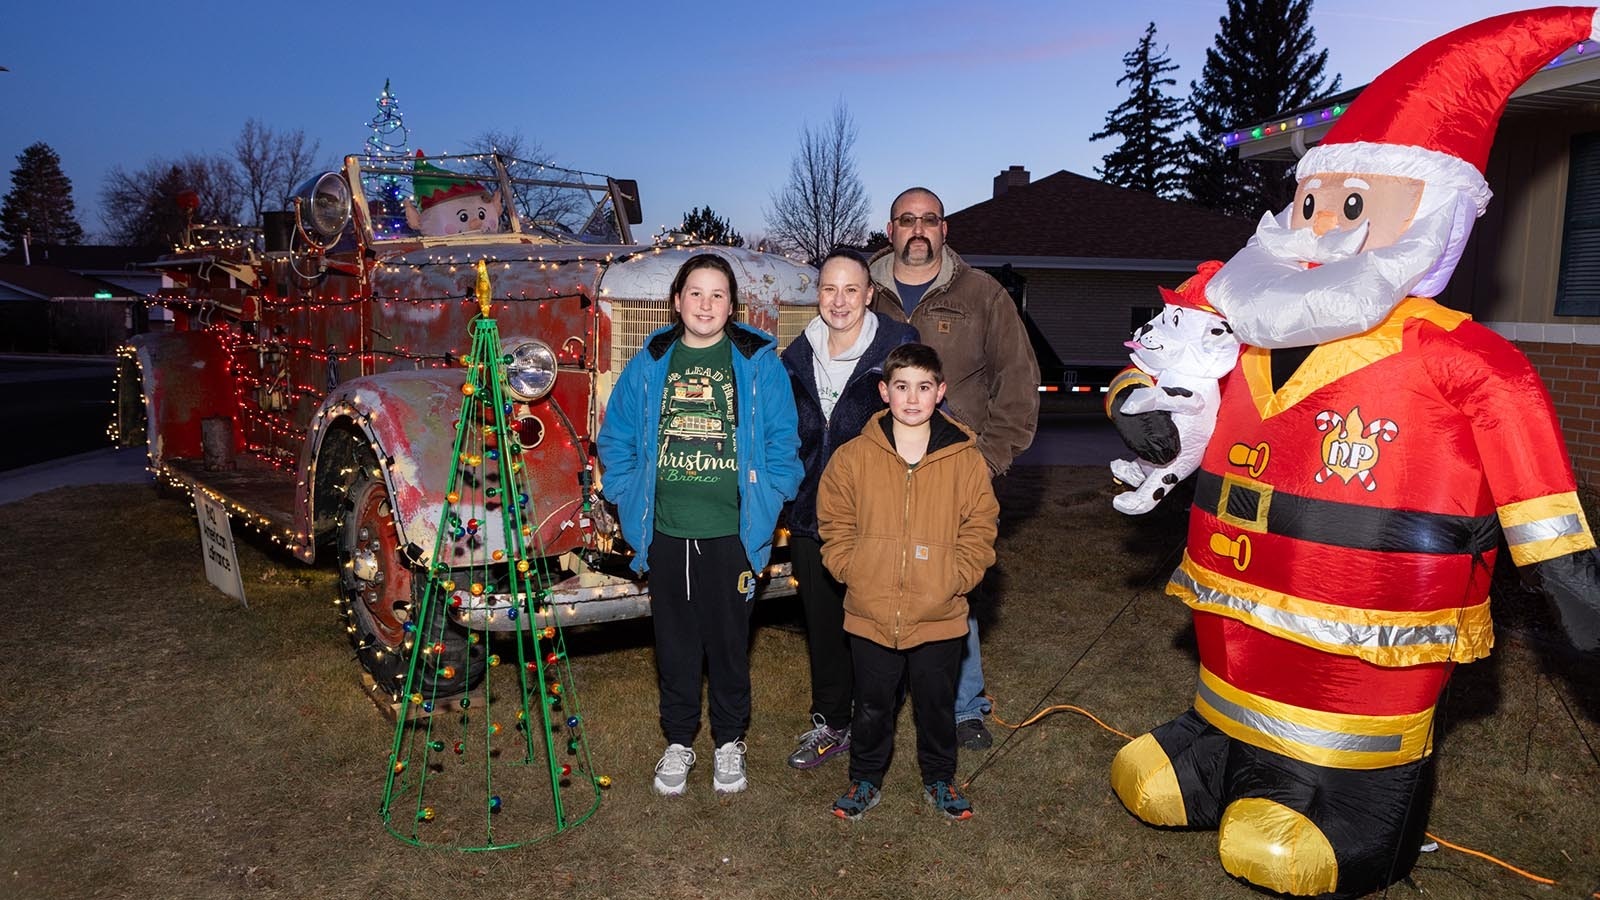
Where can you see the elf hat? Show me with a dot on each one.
(433, 185)
(1432, 116)
(1192, 293)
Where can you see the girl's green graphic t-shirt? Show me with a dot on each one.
(697, 473)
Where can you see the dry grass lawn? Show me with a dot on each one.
(162, 742)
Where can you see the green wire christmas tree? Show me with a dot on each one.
(470, 771)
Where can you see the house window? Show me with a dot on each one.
(1578, 291)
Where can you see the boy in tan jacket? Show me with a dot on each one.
(907, 517)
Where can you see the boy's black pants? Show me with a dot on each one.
(823, 600)
(931, 670)
(702, 623)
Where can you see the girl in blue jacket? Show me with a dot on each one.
(698, 452)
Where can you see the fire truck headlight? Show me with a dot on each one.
(530, 370)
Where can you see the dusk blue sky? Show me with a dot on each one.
(702, 103)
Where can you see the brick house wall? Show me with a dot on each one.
(1569, 372)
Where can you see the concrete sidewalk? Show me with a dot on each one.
(108, 466)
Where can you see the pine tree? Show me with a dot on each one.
(1264, 62)
(1148, 158)
(705, 224)
(39, 204)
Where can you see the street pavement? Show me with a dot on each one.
(107, 466)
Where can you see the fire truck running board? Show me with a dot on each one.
(593, 598)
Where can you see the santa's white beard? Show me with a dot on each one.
(1273, 300)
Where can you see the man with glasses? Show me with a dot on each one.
(989, 365)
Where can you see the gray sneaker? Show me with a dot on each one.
(819, 744)
(672, 772)
(727, 774)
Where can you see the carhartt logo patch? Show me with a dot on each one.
(944, 326)
(921, 551)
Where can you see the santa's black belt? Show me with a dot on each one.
(1254, 506)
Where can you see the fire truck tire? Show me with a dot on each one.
(382, 592)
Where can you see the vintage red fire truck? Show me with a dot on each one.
(310, 380)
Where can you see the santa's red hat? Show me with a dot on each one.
(1192, 293)
(1432, 116)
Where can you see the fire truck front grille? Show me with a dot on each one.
(633, 320)
(792, 322)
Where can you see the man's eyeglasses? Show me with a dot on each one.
(928, 220)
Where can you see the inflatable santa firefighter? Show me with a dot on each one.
(1371, 449)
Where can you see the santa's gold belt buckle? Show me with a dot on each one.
(1235, 506)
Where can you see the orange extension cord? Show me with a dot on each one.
(1067, 707)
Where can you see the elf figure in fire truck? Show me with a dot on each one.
(1371, 448)
(449, 205)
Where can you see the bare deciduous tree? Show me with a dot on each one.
(271, 164)
(299, 160)
(140, 207)
(824, 204)
(541, 205)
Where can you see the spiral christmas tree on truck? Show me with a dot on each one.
(505, 764)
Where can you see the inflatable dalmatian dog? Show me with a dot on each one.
(1183, 353)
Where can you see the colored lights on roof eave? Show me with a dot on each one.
(1304, 120)
(1325, 116)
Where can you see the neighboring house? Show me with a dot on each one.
(1532, 268)
(1086, 259)
(120, 266)
(49, 309)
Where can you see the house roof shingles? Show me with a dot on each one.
(1069, 215)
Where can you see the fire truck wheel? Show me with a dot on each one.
(383, 592)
